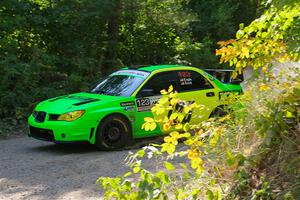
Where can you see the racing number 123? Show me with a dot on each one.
(143, 102)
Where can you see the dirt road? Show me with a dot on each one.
(32, 169)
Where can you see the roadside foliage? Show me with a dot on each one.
(250, 153)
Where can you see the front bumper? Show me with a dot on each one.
(41, 134)
(61, 131)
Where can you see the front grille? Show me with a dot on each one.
(41, 116)
(42, 134)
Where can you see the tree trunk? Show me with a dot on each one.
(112, 32)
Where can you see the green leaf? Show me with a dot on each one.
(136, 169)
(241, 26)
(173, 116)
(196, 193)
(186, 127)
(186, 175)
(209, 195)
(127, 174)
(141, 153)
(183, 166)
(297, 92)
(230, 158)
(289, 114)
(212, 182)
(169, 166)
(218, 195)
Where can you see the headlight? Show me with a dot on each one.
(71, 116)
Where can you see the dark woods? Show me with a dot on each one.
(49, 47)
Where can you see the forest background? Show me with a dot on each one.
(49, 48)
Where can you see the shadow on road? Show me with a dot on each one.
(63, 149)
(34, 169)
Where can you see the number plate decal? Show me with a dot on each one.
(146, 103)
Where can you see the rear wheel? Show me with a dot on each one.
(114, 132)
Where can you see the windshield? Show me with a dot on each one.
(121, 83)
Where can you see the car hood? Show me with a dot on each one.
(75, 101)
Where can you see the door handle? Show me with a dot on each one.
(210, 94)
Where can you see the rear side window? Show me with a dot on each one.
(191, 80)
(181, 80)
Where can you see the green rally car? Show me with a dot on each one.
(112, 114)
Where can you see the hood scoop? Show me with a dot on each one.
(75, 100)
(85, 102)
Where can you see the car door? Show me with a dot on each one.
(195, 87)
(148, 95)
(191, 86)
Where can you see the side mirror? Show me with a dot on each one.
(146, 92)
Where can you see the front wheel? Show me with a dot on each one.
(114, 132)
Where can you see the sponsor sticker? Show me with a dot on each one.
(128, 103)
(127, 108)
(141, 74)
(186, 81)
(185, 78)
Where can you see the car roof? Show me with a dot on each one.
(152, 68)
(219, 70)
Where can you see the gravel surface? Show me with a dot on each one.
(33, 169)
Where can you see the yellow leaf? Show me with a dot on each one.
(163, 92)
(186, 135)
(148, 119)
(197, 163)
(186, 109)
(186, 127)
(200, 132)
(169, 166)
(192, 154)
(173, 101)
(158, 109)
(175, 134)
(152, 126)
(168, 139)
(166, 126)
(167, 147)
(173, 116)
(149, 126)
(178, 126)
(180, 117)
(263, 87)
(163, 100)
(171, 149)
(288, 114)
(173, 94)
(170, 88)
(136, 169)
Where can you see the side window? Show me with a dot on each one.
(159, 82)
(191, 80)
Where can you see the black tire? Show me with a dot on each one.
(114, 132)
(218, 112)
